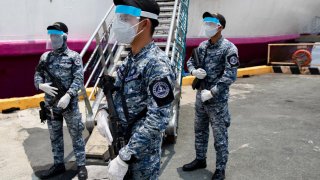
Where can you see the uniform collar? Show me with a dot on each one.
(63, 53)
(217, 44)
(144, 50)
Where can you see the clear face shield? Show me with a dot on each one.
(55, 39)
(125, 24)
(209, 27)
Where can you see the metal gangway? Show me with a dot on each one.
(170, 36)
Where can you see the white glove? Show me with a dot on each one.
(206, 95)
(102, 119)
(199, 73)
(117, 169)
(45, 87)
(64, 101)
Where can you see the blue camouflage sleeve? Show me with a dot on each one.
(77, 72)
(38, 79)
(160, 95)
(230, 73)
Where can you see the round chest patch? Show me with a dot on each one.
(77, 62)
(161, 89)
(233, 60)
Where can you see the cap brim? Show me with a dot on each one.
(206, 14)
(119, 2)
(53, 28)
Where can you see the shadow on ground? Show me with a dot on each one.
(166, 155)
(38, 150)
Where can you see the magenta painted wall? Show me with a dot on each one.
(18, 59)
(17, 65)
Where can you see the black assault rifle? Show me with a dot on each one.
(43, 68)
(197, 83)
(117, 131)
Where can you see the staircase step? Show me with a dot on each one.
(166, 9)
(162, 36)
(164, 21)
(97, 146)
(162, 28)
(162, 44)
(166, 15)
(166, 3)
(124, 54)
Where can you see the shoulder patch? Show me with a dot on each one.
(77, 62)
(44, 56)
(162, 92)
(233, 60)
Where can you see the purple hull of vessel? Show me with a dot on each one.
(19, 59)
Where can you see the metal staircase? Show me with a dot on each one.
(170, 35)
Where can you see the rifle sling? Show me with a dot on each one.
(140, 115)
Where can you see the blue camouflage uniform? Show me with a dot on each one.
(147, 79)
(220, 61)
(66, 66)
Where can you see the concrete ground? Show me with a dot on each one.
(274, 135)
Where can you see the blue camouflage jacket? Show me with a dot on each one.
(220, 61)
(147, 79)
(66, 66)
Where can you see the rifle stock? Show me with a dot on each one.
(197, 83)
(43, 112)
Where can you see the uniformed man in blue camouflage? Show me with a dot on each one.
(63, 66)
(217, 69)
(144, 100)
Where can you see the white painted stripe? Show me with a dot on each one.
(149, 15)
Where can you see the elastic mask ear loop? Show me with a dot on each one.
(219, 25)
(141, 29)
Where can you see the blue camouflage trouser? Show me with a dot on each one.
(75, 127)
(147, 165)
(217, 114)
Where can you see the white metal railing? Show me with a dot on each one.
(177, 56)
(103, 21)
(172, 26)
(99, 50)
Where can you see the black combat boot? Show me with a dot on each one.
(82, 173)
(195, 164)
(53, 171)
(218, 175)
